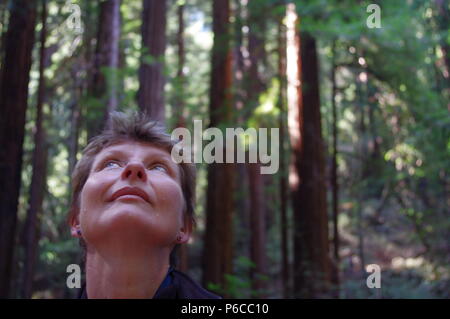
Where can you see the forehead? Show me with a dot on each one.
(131, 148)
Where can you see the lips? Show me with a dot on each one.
(130, 191)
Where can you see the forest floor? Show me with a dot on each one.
(389, 241)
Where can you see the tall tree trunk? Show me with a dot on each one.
(241, 178)
(151, 71)
(37, 188)
(294, 95)
(334, 167)
(313, 268)
(258, 228)
(179, 101)
(218, 244)
(82, 89)
(283, 186)
(255, 178)
(364, 167)
(14, 79)
(106, 64)
(179, 105)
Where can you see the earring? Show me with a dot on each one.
(79, 232)
(178, 238)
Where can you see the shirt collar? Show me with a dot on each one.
(166, 290)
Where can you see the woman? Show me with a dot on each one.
(131, 206)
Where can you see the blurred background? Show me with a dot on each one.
(361, 95)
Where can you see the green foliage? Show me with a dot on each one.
(238, 285)
(392, 117)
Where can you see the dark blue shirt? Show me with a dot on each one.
(176, 285)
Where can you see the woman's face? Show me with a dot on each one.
(133, 195)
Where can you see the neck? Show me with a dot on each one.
(127, 276)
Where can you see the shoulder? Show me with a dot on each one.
(189, 289)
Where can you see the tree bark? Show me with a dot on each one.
(256, 181)
(183, 254)
(361, 96)
(106, 63)
(14, 79)
(334, 167)
(313, 268)
(218, 244)
(282, 99)
(179, 101)
(38, 179)
(151, 73)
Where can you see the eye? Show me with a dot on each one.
(111, 164)
(158, 167)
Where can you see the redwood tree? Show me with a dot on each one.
(283, 186)
(256, 86)
(312, 264)
(106, 63)
(14, 78)
(151, 71)
(38, 179)
(218, 247)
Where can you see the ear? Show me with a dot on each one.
(185, 231)
(75, 225)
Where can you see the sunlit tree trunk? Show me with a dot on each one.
(14, 79)
(312, 263)
(151, 71)
(31, 231)
(218, 243)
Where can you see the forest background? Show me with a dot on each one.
(360, 91)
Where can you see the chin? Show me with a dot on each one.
(130, 227)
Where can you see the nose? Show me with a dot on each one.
(134, 171)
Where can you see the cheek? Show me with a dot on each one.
(170, 198)
(92, 195)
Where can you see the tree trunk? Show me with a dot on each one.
(179, 95)
(258, 228)
(282, 99)
(218, 244)
(313, 268)
(334, 167)
(151, 71)
(183, 253)
(239, 96)
(256, 181)
(364, 167)
(106, 63)
(38, 180)
(14, 79)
